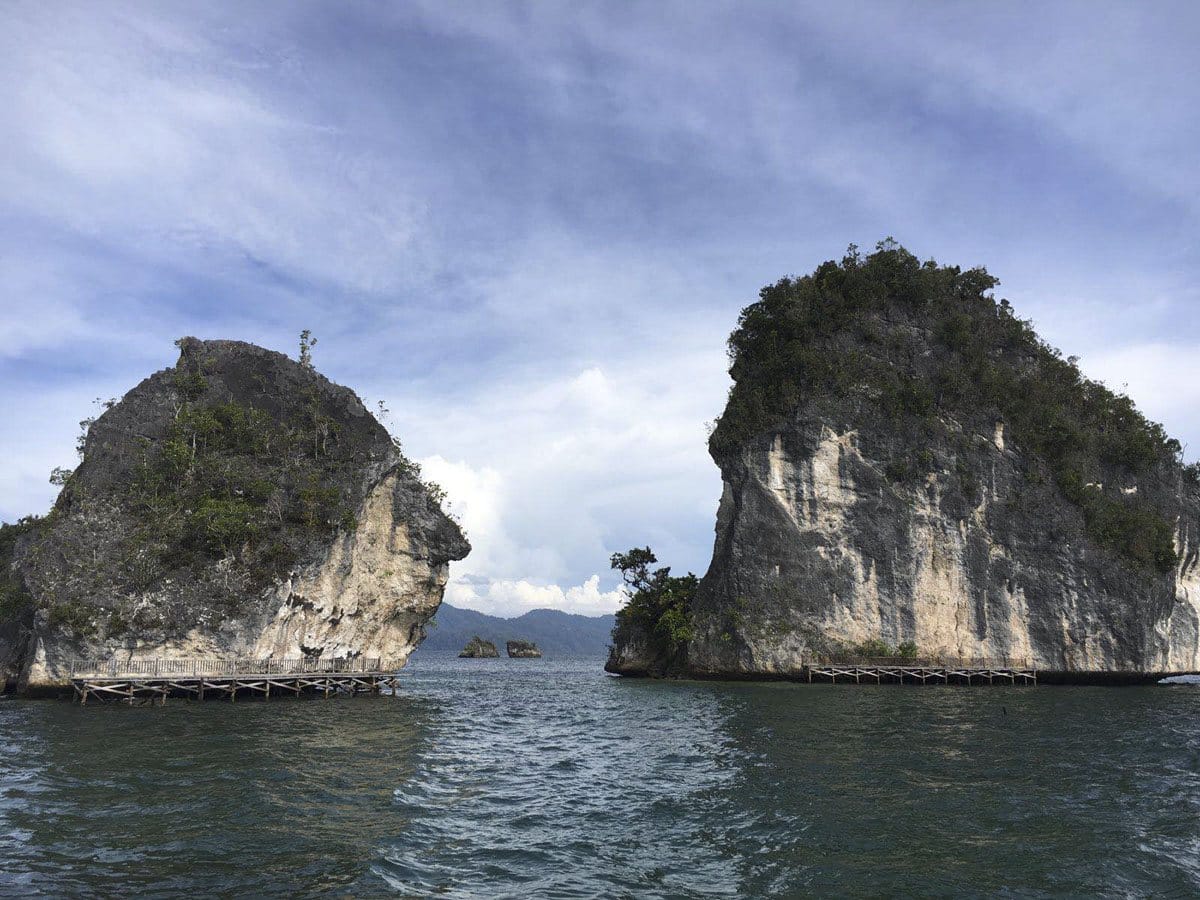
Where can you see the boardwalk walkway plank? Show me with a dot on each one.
(148, 680)
(901, 671)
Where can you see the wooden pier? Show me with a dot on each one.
(148, 681)
(899, 670)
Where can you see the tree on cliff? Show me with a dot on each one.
(307, 342)
(659, 604)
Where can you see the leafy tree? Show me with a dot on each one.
(659, 604)
(307, 342)
(634, 567)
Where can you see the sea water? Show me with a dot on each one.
(547, 778)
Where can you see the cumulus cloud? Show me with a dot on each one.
(512, 598)
(556, 476)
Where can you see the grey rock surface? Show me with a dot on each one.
(817, 549)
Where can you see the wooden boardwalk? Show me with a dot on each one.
(154, 680)
(898, 670)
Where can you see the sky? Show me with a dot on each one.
(528, 229)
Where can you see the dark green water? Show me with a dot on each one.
(496, 778)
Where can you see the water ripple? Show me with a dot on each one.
(544, 778)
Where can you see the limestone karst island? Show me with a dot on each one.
(910, 472)
(236, 506)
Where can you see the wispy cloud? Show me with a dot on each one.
(529, 227)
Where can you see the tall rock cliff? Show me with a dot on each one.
(906, 463)
(238, 504)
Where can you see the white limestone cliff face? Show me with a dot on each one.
(370, 597)
(817, 549)
(1180, 632)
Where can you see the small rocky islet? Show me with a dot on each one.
(481, 648)
(523, 650)
(478, 648)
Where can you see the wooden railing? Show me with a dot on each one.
(157, 668)
(995, 662)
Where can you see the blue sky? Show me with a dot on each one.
(529, 228)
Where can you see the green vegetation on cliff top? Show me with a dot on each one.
(231, 480)
(918, 343)
(227, 481)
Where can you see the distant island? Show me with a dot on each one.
(911, 472)
(478, 648)
(522, 650)
(556, 633)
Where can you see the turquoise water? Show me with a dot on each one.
(546, 778)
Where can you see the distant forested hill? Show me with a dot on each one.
(554, 631)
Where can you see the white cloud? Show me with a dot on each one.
(549, 479)
(155, 131)
(45, 440)
(1111, 78)
(512, 598)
